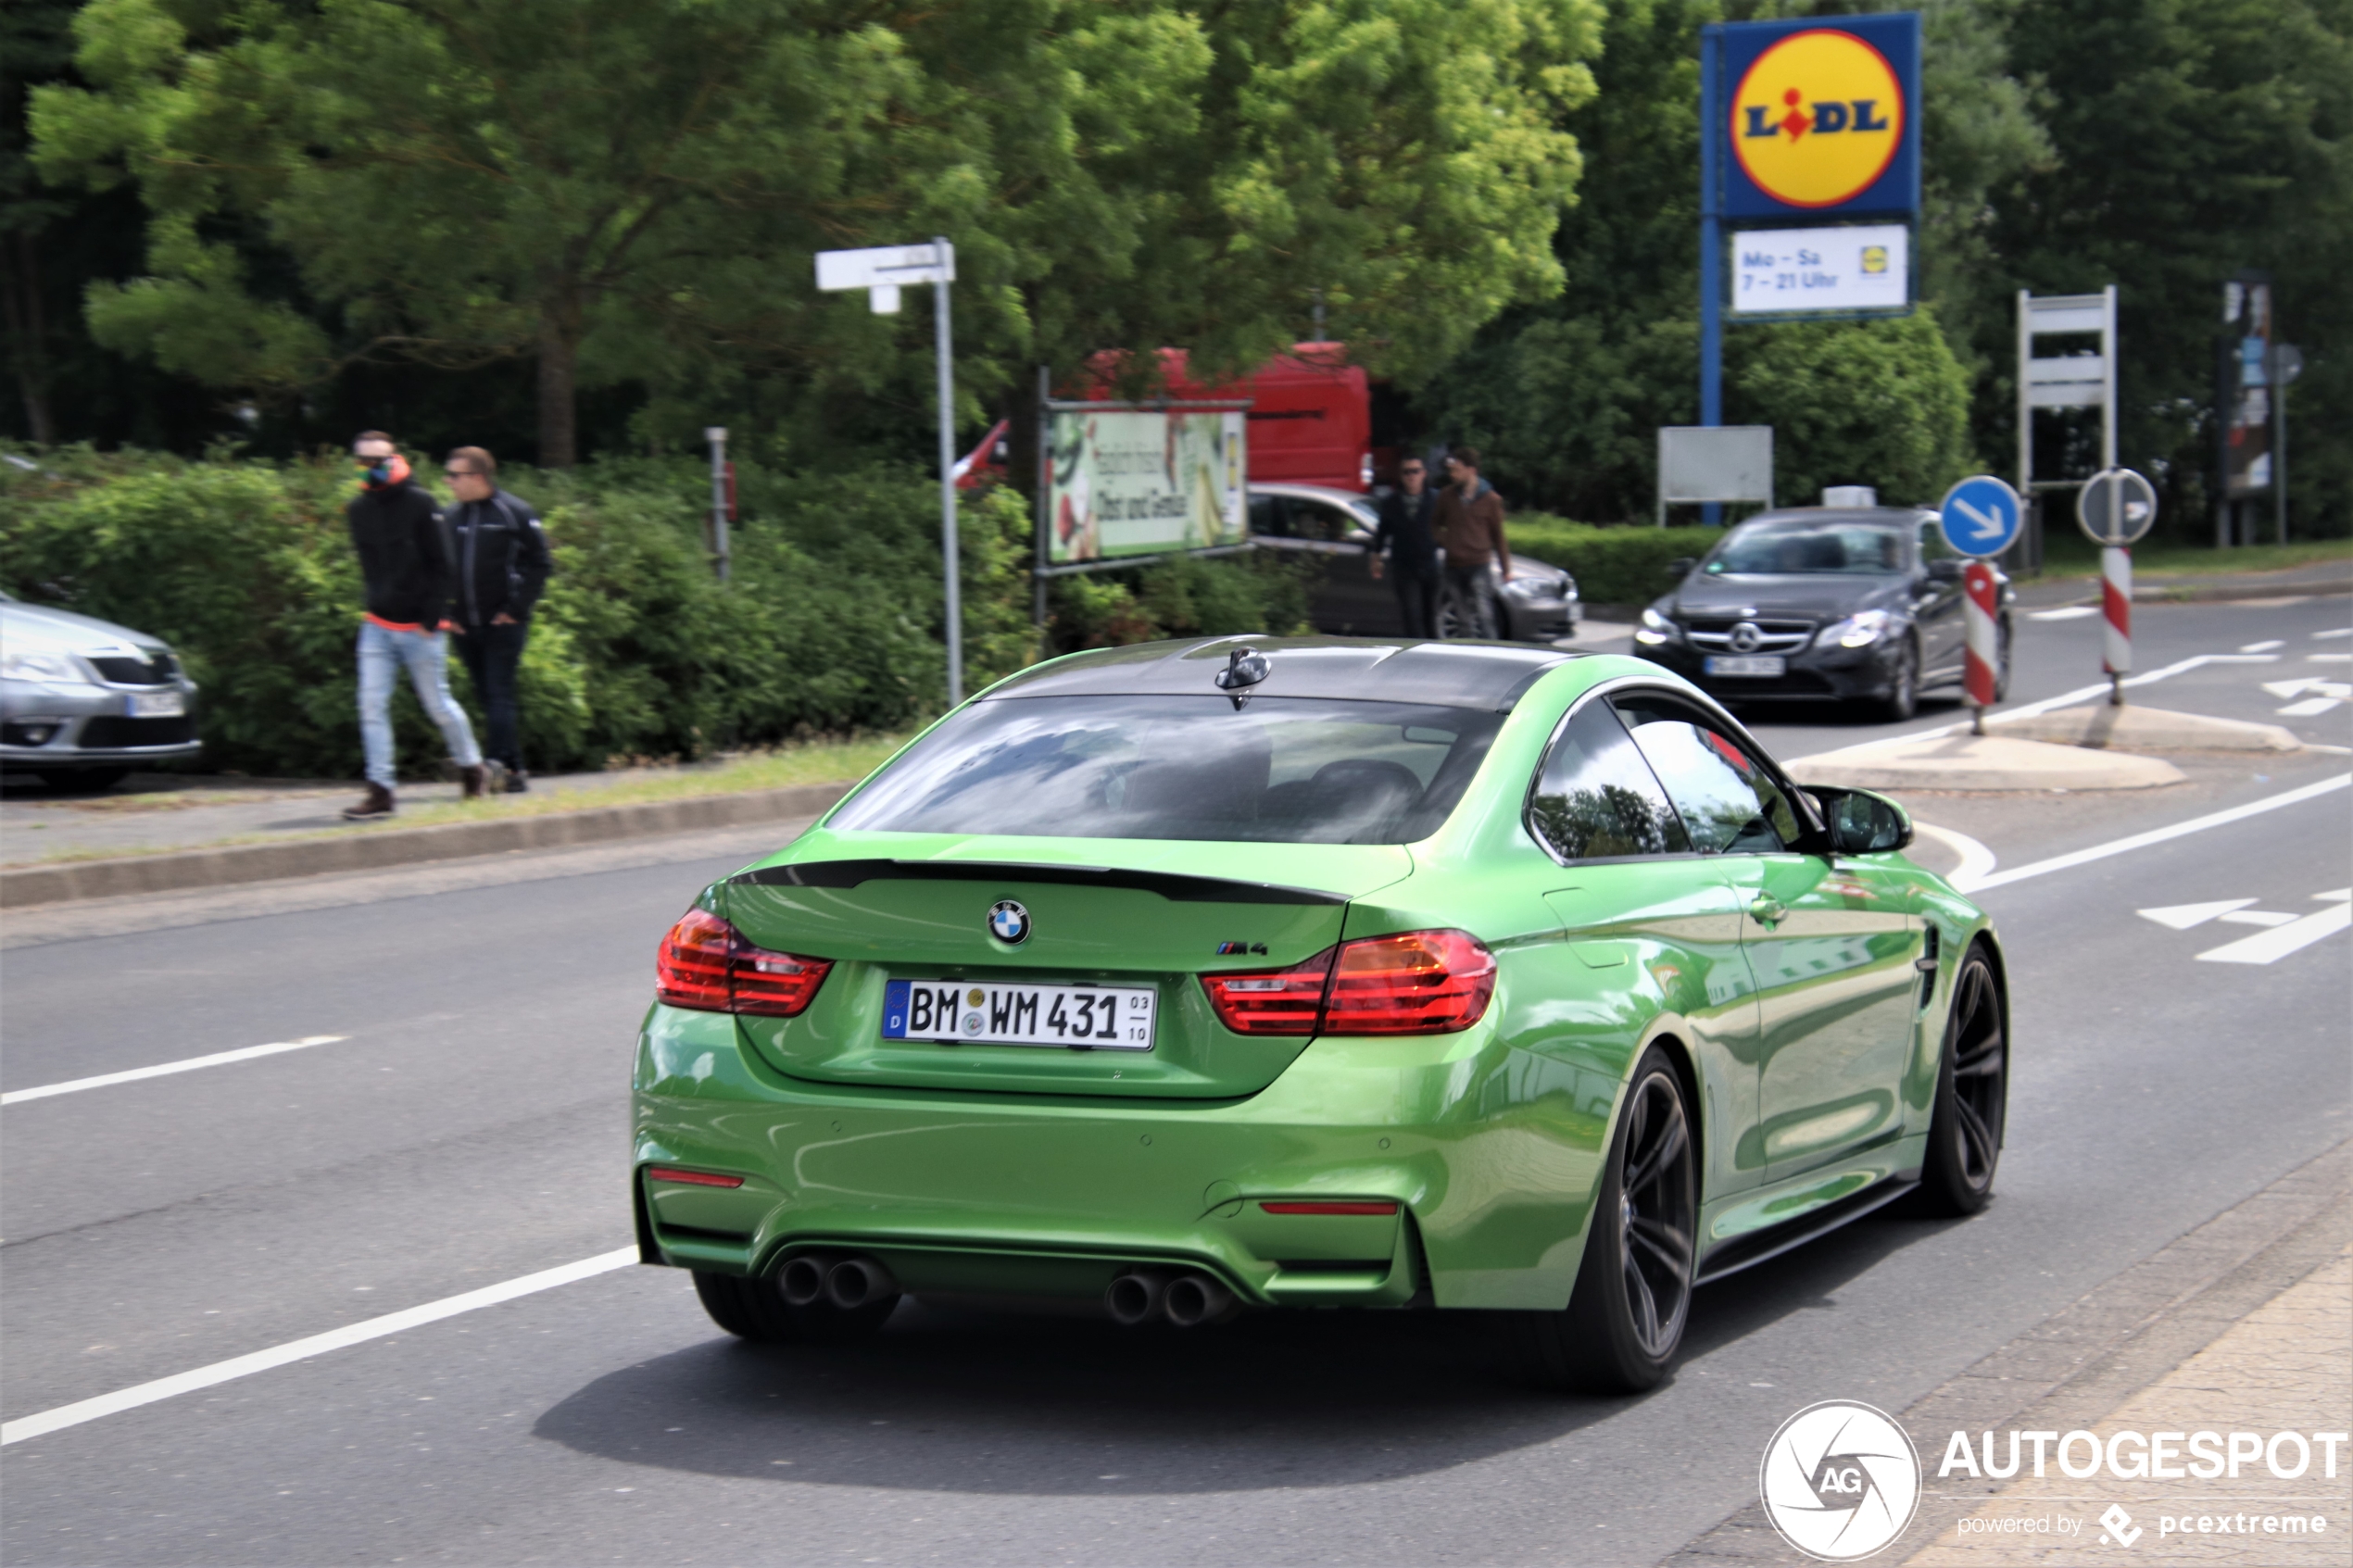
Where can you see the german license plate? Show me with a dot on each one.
(1746, 664)
(1115, 1018)
(155, 705)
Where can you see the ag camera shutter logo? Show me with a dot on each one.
(1839, 1481)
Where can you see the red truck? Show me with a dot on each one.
(1311, 418)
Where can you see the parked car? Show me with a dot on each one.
(1539, 599)
(82, 701)
(1859, 603)
(1191, 979)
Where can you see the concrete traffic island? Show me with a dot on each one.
(2094, 746)
(1964, 761)
(2107, 728)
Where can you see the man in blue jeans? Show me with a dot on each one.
(404, 563)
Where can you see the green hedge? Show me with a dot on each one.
(1625, 565)
(831, 624)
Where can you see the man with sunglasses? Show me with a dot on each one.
(405, 567)
(1404, 540)
(502, 568)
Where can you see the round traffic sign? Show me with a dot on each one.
(1981, 516)
(2116, 507)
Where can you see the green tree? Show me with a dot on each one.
(625, 190)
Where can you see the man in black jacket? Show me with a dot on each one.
(404, 564)
(1405, 538)
(502, 567)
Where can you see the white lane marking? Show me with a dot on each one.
(1976, 860)
(2270, 946)
(2181, 917)
(246, 1053)
(2328, 659)
(2071, 612)
(2340, 632)
(2263, 647)
(316, 1345)
(2257, 917)
(2341, 896)
(2308, 706)
(2159, 835)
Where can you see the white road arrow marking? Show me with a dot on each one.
(2181, 917)
(2270, 946)
(2308, 706)
(2340, 632)
(2257, 917)
(2071, 612)
(1989, 526)
(2328, 659)
(2263, 647)
(2340, 895)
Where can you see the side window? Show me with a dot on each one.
(1267, 515)
(1728, 801)
(1312, 520)
(1596, 797)
(1932, 545)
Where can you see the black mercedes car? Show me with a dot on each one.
(1822, 603)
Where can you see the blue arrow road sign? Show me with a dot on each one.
(1981, 516)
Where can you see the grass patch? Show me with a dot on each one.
(2072, 556)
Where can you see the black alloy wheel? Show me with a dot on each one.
(1625, 1318)
(1903, 699)
(1972, 1095)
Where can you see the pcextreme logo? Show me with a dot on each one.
(1818, 117)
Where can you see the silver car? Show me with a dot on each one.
(82, 701)
(1537, 601)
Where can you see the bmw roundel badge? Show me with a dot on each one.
(1008, 922)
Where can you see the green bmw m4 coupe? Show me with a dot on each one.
(1185, 980)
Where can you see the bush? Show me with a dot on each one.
(1258, 591)
(1613, 566)
(831, 623)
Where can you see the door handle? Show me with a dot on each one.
(1765, 910)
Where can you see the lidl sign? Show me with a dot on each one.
(1820, 118)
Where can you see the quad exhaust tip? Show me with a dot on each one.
(838, 1279)
(1186, 1298)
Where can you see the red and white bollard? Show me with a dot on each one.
(1982, 666)
(2116, 603)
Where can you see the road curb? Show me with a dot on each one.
(367, 848)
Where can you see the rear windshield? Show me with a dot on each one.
(1281, 770)
(1804, 546)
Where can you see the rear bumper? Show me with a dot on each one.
(1048, 1195)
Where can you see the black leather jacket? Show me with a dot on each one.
(501, 557)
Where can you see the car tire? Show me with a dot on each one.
(1972, 1095)
(1903, 699)
(83, 780)
(753, 1310)
(1625, 1318)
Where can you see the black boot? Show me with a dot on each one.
(377, 803)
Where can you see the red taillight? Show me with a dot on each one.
(1329, 1207)
(705, 963)
(1418, 983)
(691, 1178)
(1272, 1001)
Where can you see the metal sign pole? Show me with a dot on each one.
(717, 437)
(955, 610)
(1711, 259)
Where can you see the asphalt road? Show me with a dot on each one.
(470, 1128)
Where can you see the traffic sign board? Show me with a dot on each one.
(2116, 507)
(1981, 516)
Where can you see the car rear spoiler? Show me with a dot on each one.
(1171, 885)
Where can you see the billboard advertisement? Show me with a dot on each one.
(1123, 483)
(1820, 120)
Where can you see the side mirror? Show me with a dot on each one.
(1946, 571)
(1680, 567)
(1862, 822)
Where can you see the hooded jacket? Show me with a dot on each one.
(502, 558)
(405, 558)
